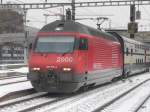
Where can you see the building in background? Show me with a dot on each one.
(11, 21)
(12, 35)
(12, 45)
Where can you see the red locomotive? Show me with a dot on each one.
(67, 55)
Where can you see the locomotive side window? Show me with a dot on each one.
(127, 51)
(83, 44)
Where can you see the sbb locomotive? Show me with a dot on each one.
(67, 55)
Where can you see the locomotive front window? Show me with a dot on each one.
(56, 44)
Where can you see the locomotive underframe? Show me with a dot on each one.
(67, 82)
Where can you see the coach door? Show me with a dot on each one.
(145, 56)
(83, 48)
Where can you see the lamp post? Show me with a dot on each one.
(26, 38)
(132, 17)
(73, 10)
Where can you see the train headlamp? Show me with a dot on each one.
(36, 69)
(66, 69)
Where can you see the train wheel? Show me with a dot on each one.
(85, 88)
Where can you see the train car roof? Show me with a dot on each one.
(134, 41)
(126, 39)
(71, 26)
(131, 40)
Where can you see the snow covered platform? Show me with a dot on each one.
(11, 66)
(14, 72)
(4, 90)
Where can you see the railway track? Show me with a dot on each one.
(71, 104)
(44, 99)
(95, 100)
(15, 82)
(22, 99)
(144, 107)
(13, 79)
(29, 102)
(104, 106)
(87, 101)
(142, 104)
(13, 76)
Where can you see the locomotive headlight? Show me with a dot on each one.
(66, 69)
(36, 69)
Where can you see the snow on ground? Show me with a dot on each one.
(89, 102)
(130, 102)
(19, 70)
(4, 90)
(145, 107)
(13, 64)
(5, 81)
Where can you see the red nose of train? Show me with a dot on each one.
(51, 61)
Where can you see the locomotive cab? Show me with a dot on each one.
(58, 62)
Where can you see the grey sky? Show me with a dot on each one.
(119, 15)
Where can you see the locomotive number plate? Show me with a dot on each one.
(64, 59)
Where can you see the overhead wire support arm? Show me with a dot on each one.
(77, 4)
(112, 3)
(33, 5)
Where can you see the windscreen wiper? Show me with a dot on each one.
(66, 52)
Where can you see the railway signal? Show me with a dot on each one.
(132, 27)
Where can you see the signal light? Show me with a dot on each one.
(66, 69)
(36, 69)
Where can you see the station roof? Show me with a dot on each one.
(19, 37)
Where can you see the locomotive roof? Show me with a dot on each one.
(71, 26)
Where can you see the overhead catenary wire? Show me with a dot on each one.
(49, 11)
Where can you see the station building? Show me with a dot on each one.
(13, 41)
(12, 45)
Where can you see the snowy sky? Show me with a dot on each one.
(118, 16)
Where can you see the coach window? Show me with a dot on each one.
(127, 51)
(142, 61)
(131, 52)
(83, 44)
